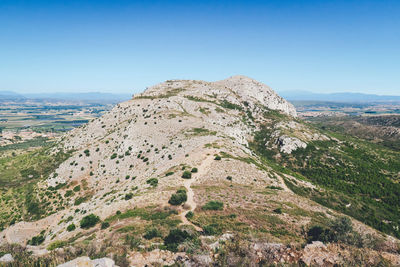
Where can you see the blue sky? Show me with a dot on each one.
(124, 46)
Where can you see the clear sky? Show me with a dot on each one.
(124, 46)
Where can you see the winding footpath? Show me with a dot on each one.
(202, 170)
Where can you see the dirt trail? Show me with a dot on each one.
(202, 170)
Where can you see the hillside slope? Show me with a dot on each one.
(202, 172)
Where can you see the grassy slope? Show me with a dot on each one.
(19, 175)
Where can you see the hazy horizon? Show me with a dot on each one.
(138, 91)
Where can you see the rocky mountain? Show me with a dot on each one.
(201, 173)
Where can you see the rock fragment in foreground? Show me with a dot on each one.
(87, 262)
(6, 258)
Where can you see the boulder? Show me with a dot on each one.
(7, 258)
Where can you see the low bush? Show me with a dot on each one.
(176, 237)
(89, 221)
(178, 198)
(105, 225)
(278, 210)
(212, 229)
(217, 157)
(152, 181)
(213, 205)
(189, 215)
(36, 240)
(194, 170)
(56, 244)
(339, 229)
(128, 196)
(274, 187)
(71, 227)
(152, 233)
(69, 193)
(77, 188)
(187, 175)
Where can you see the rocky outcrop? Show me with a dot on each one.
(87, 262)
(288, 144)
(6, 258)
(156, 257)
(250, 90)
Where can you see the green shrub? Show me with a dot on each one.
(71, 227)
(80, 200)
(36, 240)
(194, 170)
(278, 210)
(113, 156)
(178, 198)
(212, 229)
(187, 175)
(152, 181)
(218, 157)
(89, 221)
(340, 229)
(176, 237)
(169, 173)
(69, 193)
(152, 233)
(128, 196)
(274, 187)
(229, 178)
(189, 215)
(213, 205)
(105, 225)
(56, 244)
(77, 188)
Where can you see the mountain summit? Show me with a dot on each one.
(235, 89)
(202, 172)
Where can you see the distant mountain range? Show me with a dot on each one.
(337, 97)
(92, 97)
(98, 97)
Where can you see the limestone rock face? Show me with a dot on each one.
(288, 144)
(249, 90)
